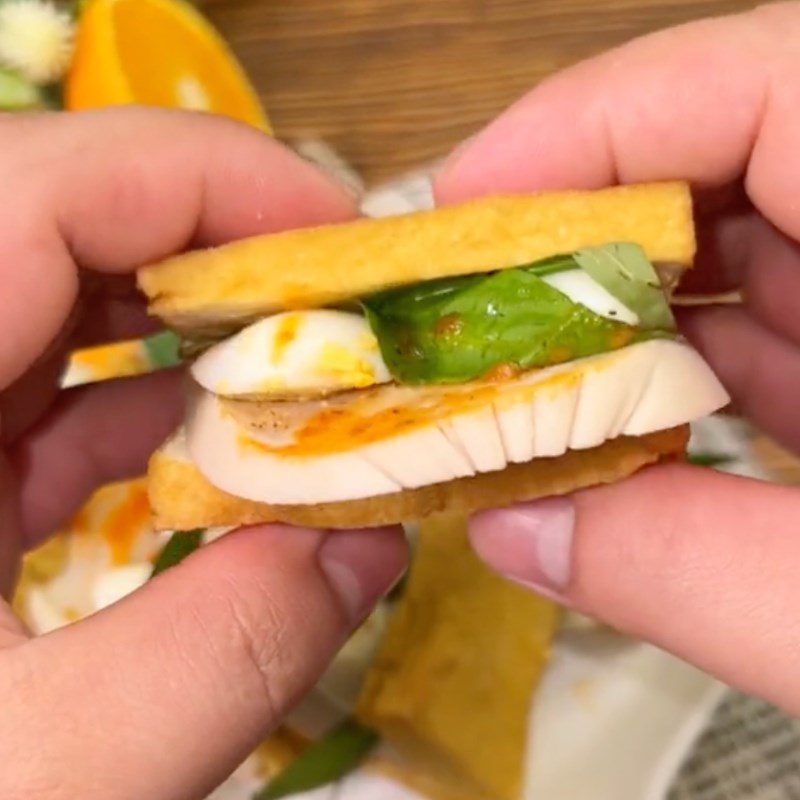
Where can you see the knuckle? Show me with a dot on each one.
(226, 637)
(259, 638)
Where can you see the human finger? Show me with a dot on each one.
(92, 435)
(759, 368)
(713, 102)
(163, 694)
(700, 563)
(111, 190)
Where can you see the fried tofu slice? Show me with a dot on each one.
(182, 499)
(208, 293)
(452, 684)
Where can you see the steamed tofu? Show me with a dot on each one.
(389, 438)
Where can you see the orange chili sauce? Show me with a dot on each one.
(336, 429)
(285, 335)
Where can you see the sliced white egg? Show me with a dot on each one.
(449, 432)
(478, 435)
(116, 582)
(42, 612)
(216, 445)
(671, 394)
(432, 450)
(294, 353)
(581, 288)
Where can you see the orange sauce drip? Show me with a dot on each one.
(81, 522)
(336, 429)
(124, 522)
(284, 336)
(502, 372)
(621, 337)
(558, 355)
(448, 325)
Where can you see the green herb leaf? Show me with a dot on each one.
(458, 329)
(336, 754)
(163, 349)
(710, 459)
(623, 270)
(17, 94)
(180, 545)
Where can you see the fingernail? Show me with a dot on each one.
(362, 566)
(530, 543)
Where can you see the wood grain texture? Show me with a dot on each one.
(392, 84)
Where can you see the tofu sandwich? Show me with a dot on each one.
(464, 358)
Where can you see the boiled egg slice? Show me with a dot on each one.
(295, 353)
(397, 438)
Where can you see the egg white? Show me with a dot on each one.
(294, 353)
(324, 351)
(639, 389)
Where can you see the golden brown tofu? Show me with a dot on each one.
(214, 291)
(452, 684)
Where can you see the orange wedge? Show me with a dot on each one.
(158, 53)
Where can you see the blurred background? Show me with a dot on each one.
(394, 84)
(378, 91)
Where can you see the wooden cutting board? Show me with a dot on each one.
(392, 84)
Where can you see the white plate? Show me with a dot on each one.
(612, 720)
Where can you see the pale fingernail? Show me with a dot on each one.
(362, 566)
(529, 543)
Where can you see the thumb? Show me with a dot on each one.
(165, 693)
(700, 563)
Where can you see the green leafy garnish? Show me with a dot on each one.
(17, 94)
(163, 350)
(180, 545)
(455, 330)
(710, 459)
(333, 756)
(623, 270)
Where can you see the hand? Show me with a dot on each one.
(163, 694)
(703, 564)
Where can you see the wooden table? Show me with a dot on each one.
(392, 84)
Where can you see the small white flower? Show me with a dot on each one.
(36, 39)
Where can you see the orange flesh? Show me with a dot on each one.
(169, 61)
